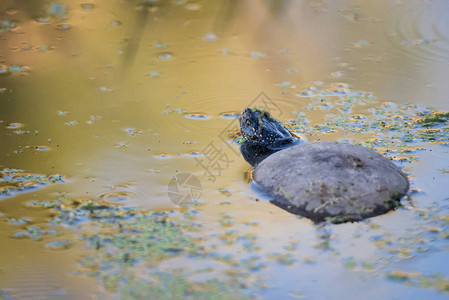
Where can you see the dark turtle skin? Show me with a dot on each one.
(263, 136)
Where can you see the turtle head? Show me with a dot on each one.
(259, 128)
(262, 135)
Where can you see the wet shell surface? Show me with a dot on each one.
(332, 181)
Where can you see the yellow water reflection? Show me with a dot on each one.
(119, 94)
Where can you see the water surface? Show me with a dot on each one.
(120, 96)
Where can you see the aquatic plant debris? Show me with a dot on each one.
(15, 180)
(257, 54)
(177, 286)
(436, 281)
(7, 25)
(433, 119)
(127, 238)
(397, 131)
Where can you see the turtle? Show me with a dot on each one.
(263, 135)
(322, 181)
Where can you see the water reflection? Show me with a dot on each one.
(133, 91)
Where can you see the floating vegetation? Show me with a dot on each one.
(226, 221)
(307, 91)
(283, 84)
(13, 180)
(435, 281)
(44, 48)
(42, 148)
(115, 23)
(154, 74)
(152, 237)
(177, 286)
(210, 37)
(59, 245)
(34, 233)
(165, 56)
(14, 125)
(394, 129)
(18, 222)
(257, 54)
(44, 204)
(117, 196)
(225, 192)
(418, 42)
(43, 19)
(63, 26)
(128, 238)
(226, 51)
(79, 211)
(433, 119)
(350, 263)
(194, 153)
(5, 295)
(361, 44)
(93, 118)
(7, 25)
(160, 45)
(230, 115)
(87, 6)
(57, 9)
(336, 74)
(8, 70)
(282, 258)
(71, 123)
(196, 116)
(105, 89)
(133, 131)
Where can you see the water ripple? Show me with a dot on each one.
(424, 32)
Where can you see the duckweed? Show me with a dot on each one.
(34, 233)
(177, 286)
(14, 180)
(393, 127)
(282, 258)
(433, 119)
(127, 238)
(435, 281)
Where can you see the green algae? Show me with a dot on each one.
(433, 119)
(435, 281)
(282, 258)
(127, 238)
(152, 237)
(34, 233)
(59, 245)
(177, 286)
(350, 263)
(7, 25)
(149, 238)
(391, 127)
(15, 180)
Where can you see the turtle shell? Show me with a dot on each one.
(332, 181)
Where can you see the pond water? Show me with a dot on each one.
(102, 103)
